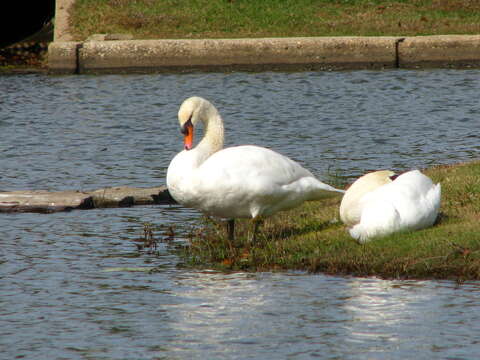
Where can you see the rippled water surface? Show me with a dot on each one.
(64, 289)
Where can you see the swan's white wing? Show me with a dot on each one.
(247, 181)
(418, 199)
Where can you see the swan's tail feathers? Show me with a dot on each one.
(323, 191)
(337, 190)
(327, 187)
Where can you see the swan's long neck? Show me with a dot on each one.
(213, 134)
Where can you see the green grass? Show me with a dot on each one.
(147, 19)
(312, 238)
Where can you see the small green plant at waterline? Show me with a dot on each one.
(311, 238)
(147, 19)
(148, 241)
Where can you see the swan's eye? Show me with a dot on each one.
(393, 177)
(188, 125)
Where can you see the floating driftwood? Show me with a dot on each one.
(43, 201)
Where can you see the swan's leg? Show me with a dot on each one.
(231, 229)
(256, 223)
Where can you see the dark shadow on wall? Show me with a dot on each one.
(23, 18)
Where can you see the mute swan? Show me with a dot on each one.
(381, 203)
(237, 182)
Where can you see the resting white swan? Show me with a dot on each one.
(380, 203)
(237, 182)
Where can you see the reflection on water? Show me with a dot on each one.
(85, 132)
(244, 316)
(405, 319)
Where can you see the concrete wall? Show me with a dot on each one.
(61, 32)
(114, 56)
(440, 51)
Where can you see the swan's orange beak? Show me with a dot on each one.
(187, 131)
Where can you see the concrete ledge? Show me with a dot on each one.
(273, 53)
(440, 51)
(63, 57)
(306, 53)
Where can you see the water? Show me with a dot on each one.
(64, 285)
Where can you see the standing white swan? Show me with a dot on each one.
(381, 203)
(237, 182)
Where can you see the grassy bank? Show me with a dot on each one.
(251, 18)
(312, 238)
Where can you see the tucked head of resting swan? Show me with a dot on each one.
(238, 182)
(381, 203)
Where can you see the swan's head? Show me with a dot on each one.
(350, 207)
(192, 110)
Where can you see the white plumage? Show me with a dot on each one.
(237, 182)
(379, 204)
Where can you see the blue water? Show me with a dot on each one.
(74, 286)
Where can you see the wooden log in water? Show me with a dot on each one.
(43, 201)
